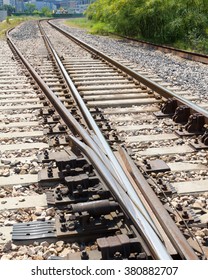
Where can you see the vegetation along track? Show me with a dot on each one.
(86, 205)
(168, 49)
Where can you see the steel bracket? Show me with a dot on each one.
(82, 225)
(194, 126)
(120, 247)
(200, 142)
(168, 109)
(155, 166)
(182, 114)
(49, 175)
(60, 157)
(57, 129)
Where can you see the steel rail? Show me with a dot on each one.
(193, 56)
(140, 78)
(154, 243)
(169, 226)
(124, 181)
(159, 251)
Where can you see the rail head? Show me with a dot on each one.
(167, 94)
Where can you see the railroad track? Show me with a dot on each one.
(76, 197)
(198, 57)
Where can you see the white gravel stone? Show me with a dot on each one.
(7, 246)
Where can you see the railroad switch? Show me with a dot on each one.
(85, 219)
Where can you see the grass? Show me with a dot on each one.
(92, 27)
(80, 22)
(11, 22)
(100, 28)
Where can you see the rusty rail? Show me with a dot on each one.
(193, 56)
(140, 78)
(170, 228)
(157, 248)
(154, 243)
(108, 157)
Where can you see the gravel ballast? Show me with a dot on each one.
(187, 74)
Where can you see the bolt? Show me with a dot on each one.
(102, 218)
(118, 256)
(68, 167)
(148, 166)
(56, 140)
(50, 129)
(58, 190)
(84, 255)
(71, 226)
(79, 188)
(145, 161)
(62, 218)
(185, 215)
(51, 111)
(63, 227)
(160, 181)
(67, 139)
(196, 141)
(61, 127)
(59, 196)
(50, 172)
(46, 154)
(91, 219)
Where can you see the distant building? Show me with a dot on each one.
(8, 2)
(40, 4)
(72, 6)
(3, 15)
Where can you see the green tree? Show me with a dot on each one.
(29, 8)
(46, 12)
(10, 9)
(162, 21)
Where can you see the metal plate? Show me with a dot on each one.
(156, 166)
(33, 230)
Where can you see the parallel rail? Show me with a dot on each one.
(198, 57)
(140, 78)
(118, 182)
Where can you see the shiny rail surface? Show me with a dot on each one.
(101, 156)
(140, 78)
(155, 245)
